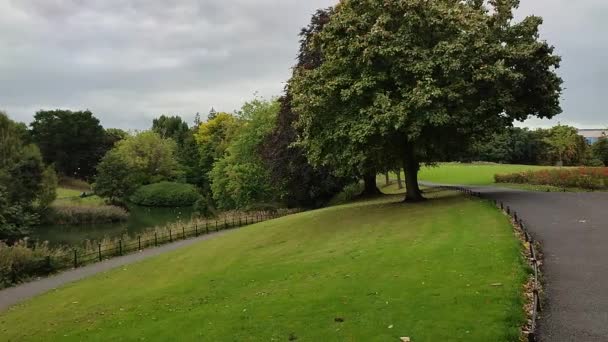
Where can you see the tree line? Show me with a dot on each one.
(559, 145)
(377, 86)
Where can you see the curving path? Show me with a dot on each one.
(573, 231)
(19, 293)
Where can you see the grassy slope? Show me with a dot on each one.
(388, 269)
(470, 174)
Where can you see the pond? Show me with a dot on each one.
(140, 219)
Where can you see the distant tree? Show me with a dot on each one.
(188, 153)
(240, 179)
(27, 186)
(72, 141)
(212, 114)
(566, 146)
(190, 157)
(513, 145)
(113, 136)
(418, 78)
(197, 119)
(115, 178)
(213, 138)
(171, 127)
(151, 157)
(600, 150)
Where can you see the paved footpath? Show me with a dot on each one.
(573, 231)
(14, 295)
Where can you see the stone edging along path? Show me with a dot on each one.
(14, 295)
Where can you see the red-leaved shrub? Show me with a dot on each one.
(593, 178)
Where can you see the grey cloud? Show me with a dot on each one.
(129, 61)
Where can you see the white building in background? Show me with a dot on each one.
(593, 135)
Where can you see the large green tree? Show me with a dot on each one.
(171, 127)
(144, 158)
(600, 150)
(188, 153)
(417, 77)
(241, 179)
(303, 185)
(27, 186)
(213, 138)
(566, 146)
(73, 141)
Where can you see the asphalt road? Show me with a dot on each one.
(573, 231)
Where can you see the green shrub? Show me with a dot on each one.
(165, 194)
(203, 207)
(84, 214)
(19, 263)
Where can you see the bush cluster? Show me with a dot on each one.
(166, 194)
(20, 262)
(592, 178)
(84, 214)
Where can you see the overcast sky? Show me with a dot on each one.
(129, 61)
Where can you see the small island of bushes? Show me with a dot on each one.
(165, 194)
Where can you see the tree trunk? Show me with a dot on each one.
(399, 182)
(411, 166)
(387, 181)
(370, 184)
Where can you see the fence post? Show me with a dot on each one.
(48, 262)
(240, 222)
(207, 227)
(13, 274)
(155, 239)
(216, 225)
(232, 221)
(170, 236)
(183, 232)
(75, 258)
(120, 246)
(196, 229)
(99, 250)
(139, 241)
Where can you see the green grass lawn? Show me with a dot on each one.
(470, 174)
(443, 270)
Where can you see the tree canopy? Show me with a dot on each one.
(171, 127)
(414, 78)
(213, 138)
(144, 158)
(240, 179)
(73, 141)
(600, 150)
(302, 184)
(27, 186)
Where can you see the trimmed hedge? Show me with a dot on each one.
(592, 178)
(166, 194)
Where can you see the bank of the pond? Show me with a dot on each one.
(140, 219)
